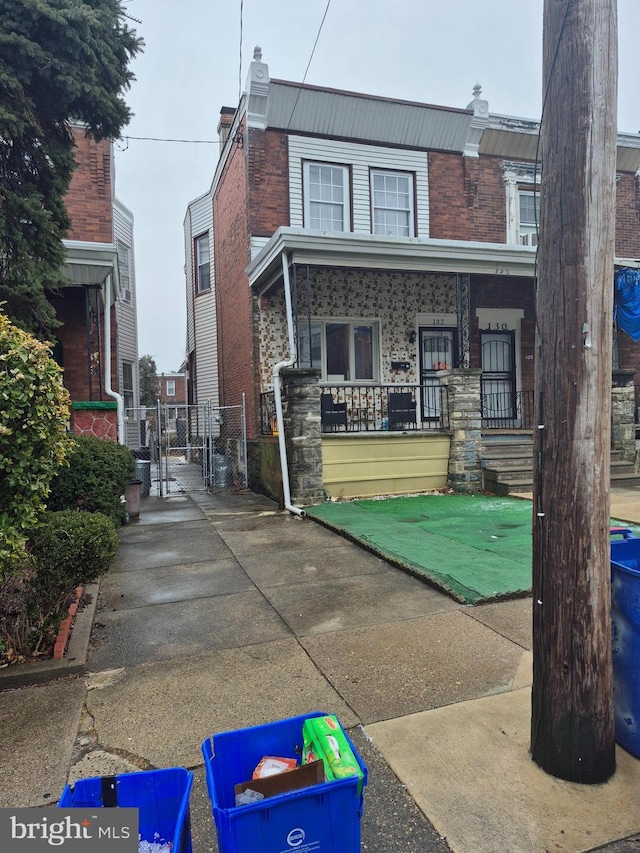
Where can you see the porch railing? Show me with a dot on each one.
(383, 408)
(268, 413)
(508, 410)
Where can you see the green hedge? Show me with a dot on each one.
(97, 475)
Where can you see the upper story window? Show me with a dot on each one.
(127, 384)
(392, 204)
(124, 271)
(171, 388)
(203, 277)
(529, 218)
(326, 197)
(344, 350)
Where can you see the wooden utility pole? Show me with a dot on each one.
(572, 729)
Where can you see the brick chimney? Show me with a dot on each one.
(224, 125)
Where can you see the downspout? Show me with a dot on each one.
(107, 360)
(287, 362)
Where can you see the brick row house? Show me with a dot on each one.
(98, 348)
(372, 261)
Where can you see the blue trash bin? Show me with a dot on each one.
(625, 623)
(162, 797)
(324, 817)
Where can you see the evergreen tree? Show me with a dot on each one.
(60, 61)
(149, 382)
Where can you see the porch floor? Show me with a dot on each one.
(476, 548)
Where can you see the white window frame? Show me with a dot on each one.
(310, 214)
(170, 388)
(528, 231)
(202, 286)
(382, 231)
(320, 324)
(128, 396)
(123, 253)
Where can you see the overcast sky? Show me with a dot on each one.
(423, 50)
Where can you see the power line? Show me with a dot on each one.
(164, 139)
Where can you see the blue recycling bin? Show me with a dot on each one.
(625, 623)
(323, 818)
(161, 796)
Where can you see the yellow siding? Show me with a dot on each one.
(384, 464)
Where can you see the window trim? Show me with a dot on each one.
(170, 383)
(346, 193)
(412, 200)
(128, 391)
(528, 229)
(353, 322)
(123, 255)
(198, 266)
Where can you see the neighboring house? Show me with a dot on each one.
(98, 348)
(173, 388)
(404, 235)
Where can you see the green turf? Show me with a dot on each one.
(477, 548)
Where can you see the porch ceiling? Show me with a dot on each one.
(369, 251)
(89, 263)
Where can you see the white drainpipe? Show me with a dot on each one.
(107, 359)
(287, 362)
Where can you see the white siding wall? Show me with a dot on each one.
(202, 334)
(126, 311)
(360, 158)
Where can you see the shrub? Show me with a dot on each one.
(69, 549)
(98, 473)
(33, 420)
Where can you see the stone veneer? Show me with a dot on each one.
(97, 419)
(623, 426)
(465, 423)
(392, 298)
(301, 412)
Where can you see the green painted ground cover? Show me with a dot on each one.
(477, 548)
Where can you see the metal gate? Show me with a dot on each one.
(182, 449)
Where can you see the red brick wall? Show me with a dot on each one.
(90, 194)
(467, 198)
(628, 217)
(180, 380)
(233, 298)
(70, 310)
(268, 182)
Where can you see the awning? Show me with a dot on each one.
(89, 263)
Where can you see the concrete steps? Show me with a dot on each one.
(507, 464)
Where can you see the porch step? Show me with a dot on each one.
(511, 471)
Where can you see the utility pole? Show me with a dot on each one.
(572, 728)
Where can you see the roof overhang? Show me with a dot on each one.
(372, 252)
(89, 263)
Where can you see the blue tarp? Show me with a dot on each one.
(627, 301)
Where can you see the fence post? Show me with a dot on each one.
(301, 409)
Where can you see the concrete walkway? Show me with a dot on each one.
(223, 612)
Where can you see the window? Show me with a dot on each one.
(326, 197)
(203, 278)
(529, 218)
(392, 204)
(345, 351)
(127, 384)
(171, 387)
(123, 272)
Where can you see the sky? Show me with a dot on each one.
(196, 59)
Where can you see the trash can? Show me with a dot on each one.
(162, 797)
(132, 498)
(220, 470)
(143, 473)
(323, 817)
(625, 623)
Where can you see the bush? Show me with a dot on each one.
(68, 549)
(33, 420)
(98, 474)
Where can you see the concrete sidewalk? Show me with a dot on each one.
(222, 612)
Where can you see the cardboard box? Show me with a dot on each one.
(292, 780)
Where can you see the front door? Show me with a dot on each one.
(498, 378)
(437, 352)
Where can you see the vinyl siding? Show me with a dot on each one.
(201, 310)
(126, 311)
(360, 159)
